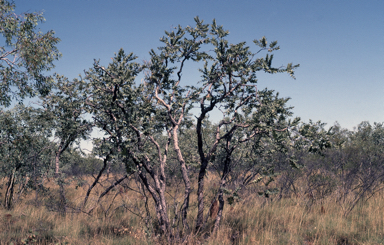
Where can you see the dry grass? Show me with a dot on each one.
(38, 223)
(253, 220)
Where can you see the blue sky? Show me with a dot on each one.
(338, 44)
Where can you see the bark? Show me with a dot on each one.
(112, 186)
(204, 159)
(57, 161)
(95, 181)
(200, 194)
(203, 167)
(220, 212)
(160, 205)
(160, 186)
(107, 190)
(186, 180)
(157, 190)
(62, 202)
(226, 170)
(9, 192)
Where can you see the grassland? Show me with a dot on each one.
(120, 219)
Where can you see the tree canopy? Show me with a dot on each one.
(143, 121)
(26, 55)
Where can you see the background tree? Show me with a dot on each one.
(26, 55)
(64, 112)
(361, 166)
(25, 150)
(64, 109)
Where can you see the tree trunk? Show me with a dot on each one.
(159, 200)
(200, 195)
(204, 159)
(62, 200)
(9, 193)
(162, 206)
(220, 212)
(95, 181)
(157, 189)
(186, 180)
(223, 183)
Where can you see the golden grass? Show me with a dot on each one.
(252, 220)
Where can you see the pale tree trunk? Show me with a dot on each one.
(159, 199)
(157, 174)
(184, 172)
(160, 185)
(174, 132)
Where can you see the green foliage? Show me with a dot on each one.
(25, 151)
(116, 103)
(23, 141)
(63, 109)
(28, 53)
(73, 163)
(143, 121)
(313, 137)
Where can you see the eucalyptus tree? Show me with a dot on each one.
(26, 55)
(313, 137)
(143, 121)
(249, 143)
(64, 114)
(63, 109)
(363, 164)
(25, 150)
(137, 127)
(229, 85)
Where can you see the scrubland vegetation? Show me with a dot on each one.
(212, 161)
(315, 209)
(333, 198)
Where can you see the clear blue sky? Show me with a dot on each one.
(338, 44)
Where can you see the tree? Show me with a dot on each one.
(25, 150)
(64, 115)
(143, 121)
(229, 84)
(26, 55)
(362, 172)
(63, 108)
(258, 134)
